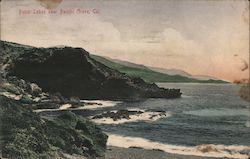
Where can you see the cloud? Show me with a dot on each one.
(175, 42)
(202, 43)
(48, 30)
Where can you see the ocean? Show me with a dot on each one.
(207, 114)
(209, 120)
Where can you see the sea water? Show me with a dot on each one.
(206, 115)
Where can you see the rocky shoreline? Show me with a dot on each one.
(26, 134)
(125, 116)
(57, 78)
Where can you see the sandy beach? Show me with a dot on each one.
(138, 153)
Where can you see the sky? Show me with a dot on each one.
(202, 37)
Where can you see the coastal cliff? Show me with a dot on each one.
(48, 78)
(72, 72)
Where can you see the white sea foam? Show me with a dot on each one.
(11, 95)
(248, 124)
(99, 104)
(91, 105)
(206, 150)
(145, 116)
(62, 107)
(45, 110)
(65, 106)
(186, 96)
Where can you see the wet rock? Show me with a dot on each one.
(135, 147)
(120, 114)
(246, 151)
(57, 98)
(10, 88)
(207, 148)
(20, 83)
(25, 99)
(47, 105)
(35, 89)
(159, 150)
(75, 100)
(92, 103)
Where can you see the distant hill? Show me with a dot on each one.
(171, 71)
(182, 73)
(129, 64)
(152, 74)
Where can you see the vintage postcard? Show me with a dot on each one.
(124, 79)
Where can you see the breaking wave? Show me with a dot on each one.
(89, 104)
(145, 116)
(205, 150)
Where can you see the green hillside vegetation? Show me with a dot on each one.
(25, 134)
(149, 75)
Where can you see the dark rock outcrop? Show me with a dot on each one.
(72, 72)
(120, 114)
(125, 114)
(24, 134)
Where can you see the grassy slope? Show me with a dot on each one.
(149, 75)
(26, 135)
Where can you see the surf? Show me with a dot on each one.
(203, 150)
